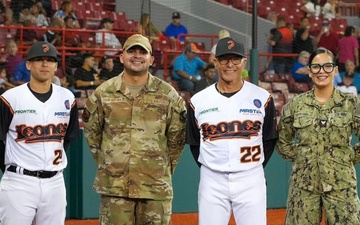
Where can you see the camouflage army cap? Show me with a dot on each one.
(138, 39)
(42, 48)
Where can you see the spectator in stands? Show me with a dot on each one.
(147, 28)
(72, 38)
(86, 77)
(209, 78)
(174, 29)
(29, 35)
(327, 38)
(303, 40)
(40, 19)
(108, 68)
(69, 83)
(53, 36)
(281, 42)
(111, 41)
(350, 71)
(329, 9)
(348, 48)
(347, 85)
(25, 12)
(12, 58)
(5, 84)
(66, 9)
(6, 15)
(357, 36)
(21, 74)
(186, 68)
(300, 70)
(272, 17)
(222, 34)
(311, 8)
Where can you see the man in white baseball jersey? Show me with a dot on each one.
(37, 121)
(231, 130)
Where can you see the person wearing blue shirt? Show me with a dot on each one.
(186, 67)
(174, 29)
(300, 70)
(21, 74)
(350, 71)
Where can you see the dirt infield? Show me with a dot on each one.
(274, 217)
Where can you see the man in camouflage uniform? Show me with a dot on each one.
(323, 176)
(134, 124)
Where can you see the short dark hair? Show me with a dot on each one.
(349, 30)
(209, 66)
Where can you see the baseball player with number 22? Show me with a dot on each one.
(37, 121)
(231, 130)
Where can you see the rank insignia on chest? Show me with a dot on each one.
(322, 123)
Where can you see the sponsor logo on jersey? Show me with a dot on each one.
(257, 103)
(230, 130)
(67, 104)
(250, 111)
(39, 133)
(61, 114)
(25, 111)
(216, 109)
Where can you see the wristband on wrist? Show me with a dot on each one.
(92, 83)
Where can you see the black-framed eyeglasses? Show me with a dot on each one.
(234, 60)
(327, 67)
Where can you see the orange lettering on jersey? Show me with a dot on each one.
(39, 133)
(233, 129)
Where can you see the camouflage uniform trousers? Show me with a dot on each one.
(129, 211)
(341, 207)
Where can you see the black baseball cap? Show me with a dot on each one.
(176, 15)
(42, 48)
(229, 46)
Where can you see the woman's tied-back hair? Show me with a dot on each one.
(321, 51)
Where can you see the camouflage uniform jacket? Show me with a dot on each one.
(136, 142)
(317, 139)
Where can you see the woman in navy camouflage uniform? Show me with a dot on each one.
(315, 132)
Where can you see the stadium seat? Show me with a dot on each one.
(339, 25)
(91, 23)
(200, 46)
(280, 87)
(265, 85)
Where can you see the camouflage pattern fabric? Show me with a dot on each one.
(341, 207)
(317, 139)
(121, 211)
(136, 142)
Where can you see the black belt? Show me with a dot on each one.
(39, 174)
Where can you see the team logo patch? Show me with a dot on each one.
(231, 44)
(46, 47)
(257, 103)
(67, 104)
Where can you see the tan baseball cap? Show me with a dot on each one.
(138, 39)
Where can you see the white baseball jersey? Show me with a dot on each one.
(231, 129)
(35, 135)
